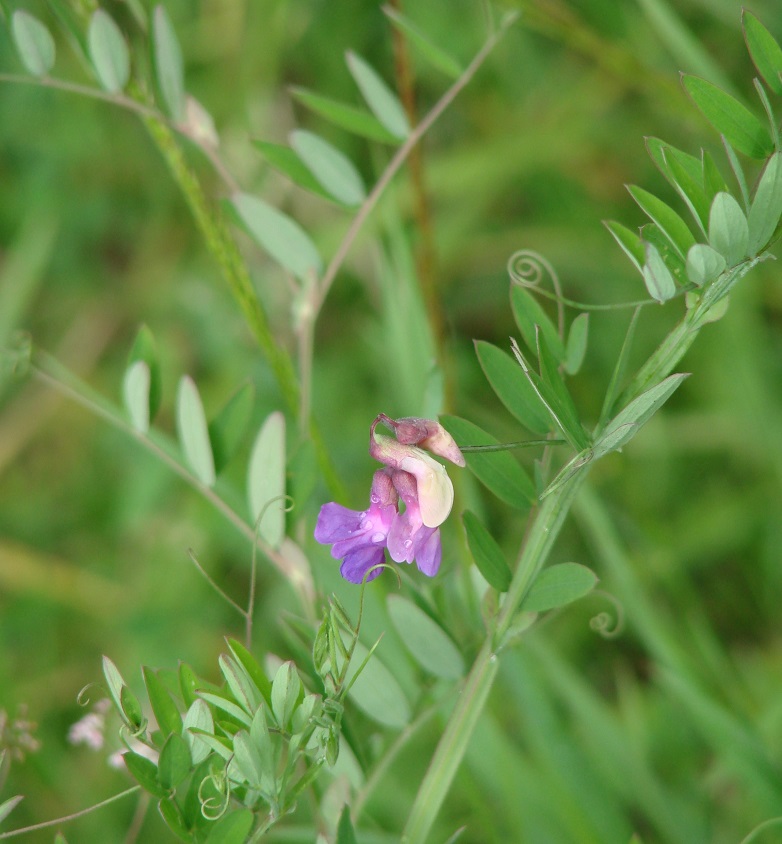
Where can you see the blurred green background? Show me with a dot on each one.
(673, 727)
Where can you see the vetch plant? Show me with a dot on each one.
(304, 744)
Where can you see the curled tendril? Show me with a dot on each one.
(82, 699)
(604, 624)
(213, 808)
(528, 269)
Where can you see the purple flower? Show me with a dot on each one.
(359, 538)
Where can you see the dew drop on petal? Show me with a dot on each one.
(407, 543)
(378, 537)
(375, 499)
(365, 524)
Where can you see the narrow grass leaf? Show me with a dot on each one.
(729, 117)
(279, 235)
(629, 242)
(166, 713)
(704, 264)
(197, 717)
(728, 229)
(109, 52)
(333, 170)
(665, 217)
(627, 422)
(557, 586)
(144, 772)
(528, 315)
(764, 50)
(169, 67)
(512, 387)
(376, 691)
(426, 641)
(435, 55)
(175, 762)
(486, 552)
(144, 348)
(194, 432)
(766, 208)
(266, 480)
(382, 102)
(348, 117)
(232, 828)
(576, 346)
(345, 833)
(498, 471)
(135, 394)
(229, 426)
(285, 160)
(33, 42)
(657, 277)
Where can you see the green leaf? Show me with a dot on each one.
(135, 394)
(188, 684)
(199, 717)
(651, 233)
(764, 50)
(284, 240)
(552, 388)
(286, 689)
(266, 480)
(730, 118)
(382, 102)
(166, 713)
(194, 432)
(629, 242)
(175, 821)
(284, 159)
(486, 552)
(627, 422)
(427, 642)
(346, 116)
(704, 264)
(228, 427)
(728, 229)
(345, 833)
(512, 387)
(666, 218)
(333, 170)
(435, 55)
(240, 683)
(376, 691)
(252, 668)
(713, 181)
(576, 345)
(169, 68)
(144, 772)
(685, 174)
(766, 208)
(497, 470)
(131, 710)
(528, 314)
(7, 806)
(657, 277)
(227, 706)
(248, 759)
(175, 762)
(114, 682)
(558, 585)
(144, 348)
(232, 828)
(109, 52)
(34, 43)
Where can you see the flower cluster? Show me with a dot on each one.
(409, 474)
